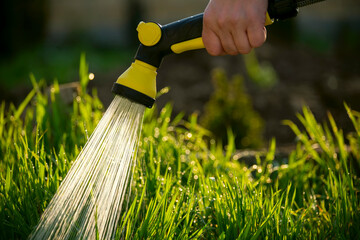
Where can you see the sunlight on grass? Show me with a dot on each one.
(184, 186)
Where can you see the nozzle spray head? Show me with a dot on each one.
(137, 83)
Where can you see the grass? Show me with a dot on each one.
(184, 186)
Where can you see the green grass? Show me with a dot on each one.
(184, 186)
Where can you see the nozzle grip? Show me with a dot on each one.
(176, 37)
(184, 29)
(197, 43)
(172, 33)
(185, 34)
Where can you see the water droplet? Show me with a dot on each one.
(91, 76)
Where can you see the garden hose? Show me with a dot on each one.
(138, 82)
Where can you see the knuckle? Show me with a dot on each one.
(253, 16)
(228, 21)
(222, 21)
(234, 20)
(207, 19)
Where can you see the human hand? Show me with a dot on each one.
(234, 26)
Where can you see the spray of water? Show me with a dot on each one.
(88, 202)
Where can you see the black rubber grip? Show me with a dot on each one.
(282, 9)
(303, 3)
(133, 95)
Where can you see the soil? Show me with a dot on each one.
(322, 82)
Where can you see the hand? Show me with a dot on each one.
(234, 26)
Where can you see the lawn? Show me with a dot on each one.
(185, 185)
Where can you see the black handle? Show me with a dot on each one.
(172, 33)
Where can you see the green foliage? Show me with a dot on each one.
(38, 141)
(262, 74)
(183, 187)
(230, 109)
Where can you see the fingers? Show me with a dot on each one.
(218, 38)
(222, 37)
(212, 42)
(234, 27)
(256, 36)
(242, 41)
(255, 25)
(228, 44)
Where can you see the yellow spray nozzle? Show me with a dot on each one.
(138, 83)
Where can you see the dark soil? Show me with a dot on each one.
(321, 81)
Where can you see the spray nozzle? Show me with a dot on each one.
(138, 82)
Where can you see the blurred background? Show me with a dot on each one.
(311, 60)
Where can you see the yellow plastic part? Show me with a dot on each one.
(188, 45)
(149, 33)
(141, 77)
(197, 43)
(268, 20)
